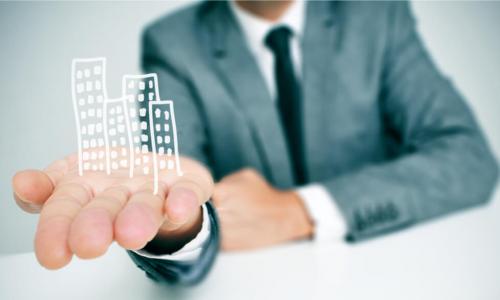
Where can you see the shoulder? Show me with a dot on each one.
(369, 12)
(373, 22)
(177, 26)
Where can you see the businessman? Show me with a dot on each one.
(318, 120)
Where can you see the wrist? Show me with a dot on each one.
(300, 225)
(172, 237)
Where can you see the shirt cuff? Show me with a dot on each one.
(192, 250)
(329, 224)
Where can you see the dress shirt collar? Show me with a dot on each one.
(255, 28)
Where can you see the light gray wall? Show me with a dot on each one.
(38, 41)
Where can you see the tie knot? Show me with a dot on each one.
(278, 39)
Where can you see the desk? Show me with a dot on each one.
(456, 257)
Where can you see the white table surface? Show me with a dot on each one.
(457, 257)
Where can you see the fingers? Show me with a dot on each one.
(51, 239)
(91, 232)
(185, 197)
(71, 223)
(33, 187)
(141, 217)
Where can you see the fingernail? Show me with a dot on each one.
(17, 196)
(27, 205)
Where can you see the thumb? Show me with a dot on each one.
(186, 196)
(31, 189)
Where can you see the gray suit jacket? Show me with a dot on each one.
(386, 134)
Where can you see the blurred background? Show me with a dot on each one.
(38, 41)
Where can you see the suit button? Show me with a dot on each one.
(359, 221)
(392, 212)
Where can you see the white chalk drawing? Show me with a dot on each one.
(140, 89)
(89, 93)
(163, 134)
(117, 136)
(136, 132)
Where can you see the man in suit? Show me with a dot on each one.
(322, 120)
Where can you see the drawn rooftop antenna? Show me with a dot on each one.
(122, 133)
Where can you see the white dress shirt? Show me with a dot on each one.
(329, 224)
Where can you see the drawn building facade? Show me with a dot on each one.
(140, 89)
(118, 135)
(163, 135)
(89, 93)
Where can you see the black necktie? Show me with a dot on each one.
(289, 97)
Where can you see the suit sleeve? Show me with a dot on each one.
(180, 271)
(175, 86)
(445, 164)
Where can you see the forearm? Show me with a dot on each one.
(440, 161)
(446, 173)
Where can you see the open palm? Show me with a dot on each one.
(83, 215)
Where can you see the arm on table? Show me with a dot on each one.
(445, 165)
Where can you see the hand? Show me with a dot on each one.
(253, 214)
(83, 215)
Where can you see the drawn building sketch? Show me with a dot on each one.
(140, 89)
(89, 93)
(118, 135)
(134, 132)
(163, 135)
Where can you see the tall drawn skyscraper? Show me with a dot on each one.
(89, 93)
(163, 135)
(140, 89)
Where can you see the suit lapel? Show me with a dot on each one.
(318, 55)
(238, 70)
